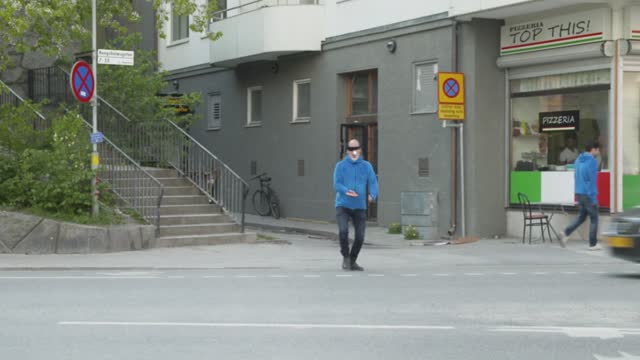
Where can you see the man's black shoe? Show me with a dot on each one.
(346, 263)
(356, 267)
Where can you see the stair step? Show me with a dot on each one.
(193, 219)
(200, 240)
(181, 190)
(174, 181)
(189, 209)
(162, 173)
(199, 229)
(185, 200)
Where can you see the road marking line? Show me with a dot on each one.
(574, 332)
(257, 325)
(278, 276)
(246, 276)
(409, 275)
(214, 276)
(175, 277)
(311, 276)
(540, 273)
(569, 273)
(77, 277)
(474, 274)
(508, 273)
(375, 275)
(344, 275)
(598, 272)
(441, 274)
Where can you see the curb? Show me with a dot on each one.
(294, 230)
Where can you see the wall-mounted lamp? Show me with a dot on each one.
(176, 84)
(392, 46)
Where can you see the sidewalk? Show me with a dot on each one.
(374, 235)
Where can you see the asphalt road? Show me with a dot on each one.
(574, 307)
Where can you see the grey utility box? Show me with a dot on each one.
(420, 209)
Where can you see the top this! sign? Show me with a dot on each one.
(115, 57)
(554, 32)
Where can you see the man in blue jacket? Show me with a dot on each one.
(351, 177)
(586, 175)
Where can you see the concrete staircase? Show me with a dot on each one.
(187, 218)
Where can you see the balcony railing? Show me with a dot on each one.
(258, 4)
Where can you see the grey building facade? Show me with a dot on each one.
(362, 86)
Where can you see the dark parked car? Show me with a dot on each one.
(624, 235)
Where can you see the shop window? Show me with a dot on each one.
(552, 119)
(425, 88)
(631, 140)
(254, 105)
(214, 116)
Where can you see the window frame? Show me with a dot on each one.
(372, 106)
(295, 119)
(212, 95)
(414, 109)
(250, 90)
(172, 24)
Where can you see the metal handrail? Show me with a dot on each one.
(142, 192)
(163, 143)
(19, 99)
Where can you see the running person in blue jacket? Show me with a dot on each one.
(351, 178)
(586, 175)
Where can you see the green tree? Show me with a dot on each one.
(54, 26)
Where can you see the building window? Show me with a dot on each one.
(254, 105)
(363, 93)
(302, 100)
(214, 115)
(425, 88)
(552, 119)
(221, 10)
(179, 27)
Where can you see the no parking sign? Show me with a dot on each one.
(83, 82)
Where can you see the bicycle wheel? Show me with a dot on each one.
(261, 203)
(275, 208)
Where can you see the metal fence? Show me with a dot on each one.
(130, 182)
(8, 97)
(126, 178)
(159, 143)
(248, 6)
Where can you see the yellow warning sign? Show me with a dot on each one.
(451, 112)
(95, 160)
(451, 96)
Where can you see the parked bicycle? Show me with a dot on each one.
(265, 201)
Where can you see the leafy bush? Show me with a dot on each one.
(395, 228)
(55, 176)
(411, 233)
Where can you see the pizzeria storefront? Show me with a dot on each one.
(570, 84)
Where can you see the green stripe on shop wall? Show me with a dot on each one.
(528, 183)
(549, 46)
(630, 191)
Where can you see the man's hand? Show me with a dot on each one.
(352, 193)
(370, 199)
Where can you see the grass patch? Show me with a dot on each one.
(411, 233)
(395, 228)
(265, 237)
(106, 216)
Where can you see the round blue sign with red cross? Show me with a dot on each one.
(451, 88)
(83, 83)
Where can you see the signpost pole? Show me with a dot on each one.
(95, 209)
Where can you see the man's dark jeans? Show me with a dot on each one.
(586, 207)
(359, 218)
